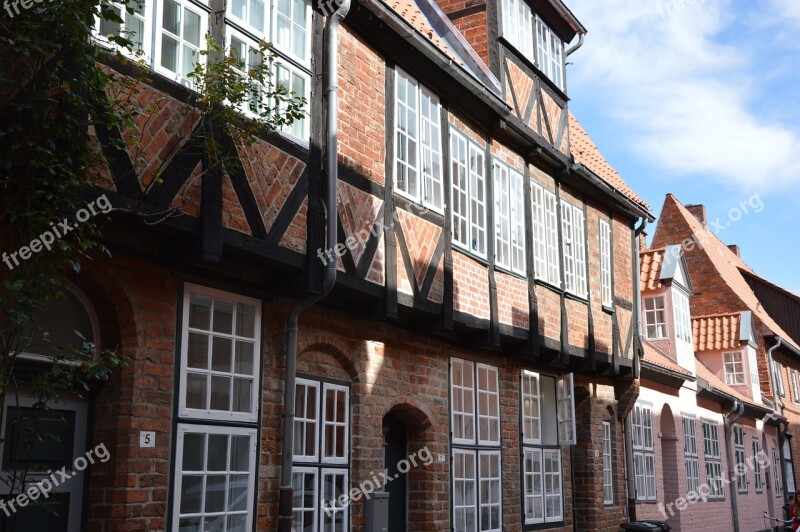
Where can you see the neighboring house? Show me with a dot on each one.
(699, 413)
(485, 307)
(744, 332)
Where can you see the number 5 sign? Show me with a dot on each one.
(147, 439)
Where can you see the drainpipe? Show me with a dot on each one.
(329, 279)
(627, 425)
(736, 410)
(772, 375)
(782, 428)
(577, 45)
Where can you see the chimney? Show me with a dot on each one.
(699, 212)
(735, 249)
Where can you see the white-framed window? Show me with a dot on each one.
(655, 317)
(292, 24)
(180, 32)
(135, 26)
(795, 388)
(788, 466)
(733, 367)
(608, 475)
(683, 320)
(320, 462)
(606, 297)
(566, 409)
(541, 415)
(690, 454)
(418, 153)
(220, 356)
(475, 402)
(713, 460)
(468, 194)
(758, 478)
(509, 206)
(518, 26)
(215, 477)
(550, 53)
(574, 243)
(251, 15)
(738, 449)
(545, 235)
(776, 471)
(779, 379)
(297, 82)
(644, 460)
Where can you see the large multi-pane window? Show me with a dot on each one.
(733, 368)
(644, 459)
(795, 388)
(321, 455)
(468, 194)
(713, 460)
(418, 152)
(608, 476)
(518, 26)
(776, 471)
(655, 317)
(509, 218)
(738, 449)
(788, 466)
(542, 411)
(181, 26)
(574, 247)
(219, 369)
(606, 297)
(690, 454)
(475, 428)
(549, 53)
(134, 26)
(545, 235)
(683, 321)
(779, 379)
(759, 480)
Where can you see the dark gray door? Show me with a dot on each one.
(395, 450)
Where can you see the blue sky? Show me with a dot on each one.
(701, 98)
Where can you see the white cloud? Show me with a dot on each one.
(687, 97)
(789, 9)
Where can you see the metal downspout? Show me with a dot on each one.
(779, 410)
(738, 409)
(329, 280)
(575, 48)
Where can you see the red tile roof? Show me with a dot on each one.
(718, 384)
(409, 10)
(728, 265)
(655, 356)
(712, 333)
(586, 153)
(650, 262)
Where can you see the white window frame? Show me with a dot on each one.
(776, 472)
(549, 53)
(302, 419)
(788, 466)
(573, 240)
(518, 26)
(467, 398)
(547, 263)
(759, 479)
(733, 369)
(739, 458)
(606, 294)
(713, 459)
(690, 454)
(183, 429)
(549, 482)
(683, 320)
(509, 224)
(608, 473)
(461, 511)
(485, 398)
(274, 15)
(779, 379)
(795, 388)
(235, 300)
(147, 30)
(428, 131)
(488, 478)
(159, 31)
(530, 391)
(473, 193)
(565, 404)
(316, 507)
(651, 317)
(305, 122)
(246, 22)
(643, 451)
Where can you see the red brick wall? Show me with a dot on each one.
(473, 26)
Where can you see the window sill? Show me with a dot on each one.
(509, 271)
(548, 285)
(574, 297)
(416, 205)
(608, 310)
(457, 246)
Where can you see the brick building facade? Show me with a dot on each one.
(484, 310)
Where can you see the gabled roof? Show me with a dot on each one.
(585, 152)
(712, 333)
(727, 264)
(650, 261)
(663, 264)
(780, 303)
(656, 357)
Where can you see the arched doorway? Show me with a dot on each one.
(395, 449)
(36, 442)
(670, 462)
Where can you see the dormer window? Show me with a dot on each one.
(518, 26)
(550, 53)
(683, 322)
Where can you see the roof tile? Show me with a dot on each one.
(655, 356)
(712, 333)
(650, 262)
